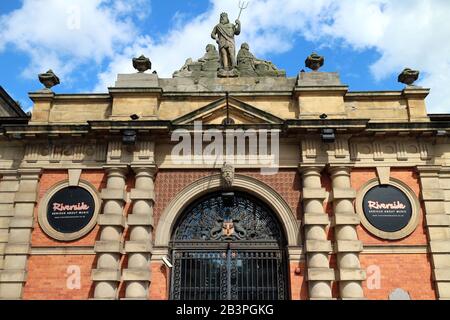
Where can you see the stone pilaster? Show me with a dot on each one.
(108, 248)
(9, 184)
(347, 246)
(317, 247)
(139, 246)
(435, 194)
(14, 273)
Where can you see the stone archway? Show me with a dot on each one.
(213, 183)
(228, 246)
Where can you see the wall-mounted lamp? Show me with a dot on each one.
(167, 262)
(328, 135)
(129, 137)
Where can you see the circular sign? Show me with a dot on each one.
(70, 209)
(387, 208)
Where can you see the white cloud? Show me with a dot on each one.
(264, 33)
(66, 34)
(411, 33)
(406, 33)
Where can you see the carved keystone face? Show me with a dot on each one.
(228, 174)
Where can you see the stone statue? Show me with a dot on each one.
(249, 66)
(223, 62)
(206, 66)
(246, 61)
(224, 33)
(211, 60)
(227, 175)
(184, 71)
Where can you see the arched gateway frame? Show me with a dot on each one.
(228, 246)
(246, 188)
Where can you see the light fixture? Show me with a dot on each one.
(328, 135)
(167, 262)
(129, 137)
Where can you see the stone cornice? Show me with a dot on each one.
(360, 126)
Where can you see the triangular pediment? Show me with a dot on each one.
(217, 111)
(8, 107)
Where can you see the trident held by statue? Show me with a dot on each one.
(242, 5)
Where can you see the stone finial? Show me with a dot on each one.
(314, 61)
(408, 76)
(142, 64)
(49, 79)
(227, 174)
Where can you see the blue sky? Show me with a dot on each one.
(87, 42)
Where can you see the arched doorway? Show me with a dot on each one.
(228, 246)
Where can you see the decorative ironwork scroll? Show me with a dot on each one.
(243, 218)
(228, 246)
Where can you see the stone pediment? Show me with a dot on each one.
(240, 113)
(8, 107)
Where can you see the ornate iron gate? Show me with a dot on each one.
(228, 247)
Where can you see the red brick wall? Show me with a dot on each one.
(48, 180)
(159, 289)
(408, 176)
(47, 277)
(298, 284)
(411, 272)
(169, 183)
(47, 274)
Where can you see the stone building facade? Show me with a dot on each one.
(335, 146)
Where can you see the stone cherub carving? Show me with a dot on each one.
(227, 175)
(224, 33)
(249, 66)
